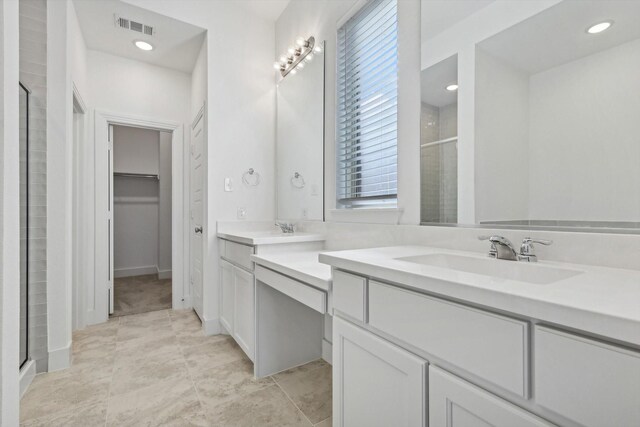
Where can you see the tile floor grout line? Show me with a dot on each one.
(294, 403)
(186, 363)
(113, 372)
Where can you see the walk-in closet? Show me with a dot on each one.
(141, 220)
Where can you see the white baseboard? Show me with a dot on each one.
(163, 274)
(135, 271)
(211, 326)
(327, 351)
(60, 358)
(27, 374)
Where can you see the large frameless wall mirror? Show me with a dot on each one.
(300, 141)
(24, 224)
(549, 126)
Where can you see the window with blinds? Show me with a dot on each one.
(366, 122)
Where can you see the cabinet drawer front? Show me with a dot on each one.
(456, 403)
(307, 295)
(349, 294)
(492, 347)
(592, 383)
(239, 254)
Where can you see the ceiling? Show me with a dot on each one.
(438, 15)
(268, 9)
(558, 34)
(176, 43)
(435, 79)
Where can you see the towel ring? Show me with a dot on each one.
(297, 180)
(251, 178)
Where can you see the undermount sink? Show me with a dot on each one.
(510, 270)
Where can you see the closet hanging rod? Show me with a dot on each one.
(136, 175)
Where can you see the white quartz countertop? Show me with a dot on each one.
(303, 266)
(269, 237)
(599, 300)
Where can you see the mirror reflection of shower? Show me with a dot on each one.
(24, 224)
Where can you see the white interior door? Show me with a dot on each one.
(196, 215)
(110, 219)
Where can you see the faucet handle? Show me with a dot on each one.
(493, 251)
(529, 241)
(527, 252)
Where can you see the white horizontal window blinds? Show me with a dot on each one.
(367, 106)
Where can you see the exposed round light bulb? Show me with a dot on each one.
(452, 87)
(309, 57)
(143, 45)
(276, 65)
(283, 59)
(317, 49)
(291, 50)
(300, 41)
(599, 27)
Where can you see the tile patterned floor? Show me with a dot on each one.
(158, 368)
(140, 294)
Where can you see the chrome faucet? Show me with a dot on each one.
(502, 248)
(286, 227)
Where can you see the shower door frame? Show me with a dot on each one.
(26, 270)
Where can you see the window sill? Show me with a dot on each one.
(367, 215)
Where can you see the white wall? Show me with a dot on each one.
(240, 118)
(59, 186)
(136, 150)
(199, 83)
(78, 52)
(136, 203)
(164, 207)
(501, 140)
(136, 88)
(147, 92)
(584, 138)
(9, 215)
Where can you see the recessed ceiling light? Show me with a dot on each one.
(599, 27)
(452, 87)
(143, 45)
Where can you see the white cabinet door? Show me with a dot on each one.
(243, 325)
(454, 402)
(227, 295)
(375, 383)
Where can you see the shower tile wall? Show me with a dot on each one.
(439, 164)
(33, 73)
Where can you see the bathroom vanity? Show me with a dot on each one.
(429, 336)
(237, 280)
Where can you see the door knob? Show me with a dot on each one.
(198, 230)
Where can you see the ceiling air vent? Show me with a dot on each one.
(138, 27)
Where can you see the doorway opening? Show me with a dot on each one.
(141, 177)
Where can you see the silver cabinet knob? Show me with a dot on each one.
(198, 230)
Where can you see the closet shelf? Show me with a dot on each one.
(136, 175)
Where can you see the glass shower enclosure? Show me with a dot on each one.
(24, 224)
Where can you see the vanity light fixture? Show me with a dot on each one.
(142, 45)
(452, 87)
(293, 60)
(599, 27)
